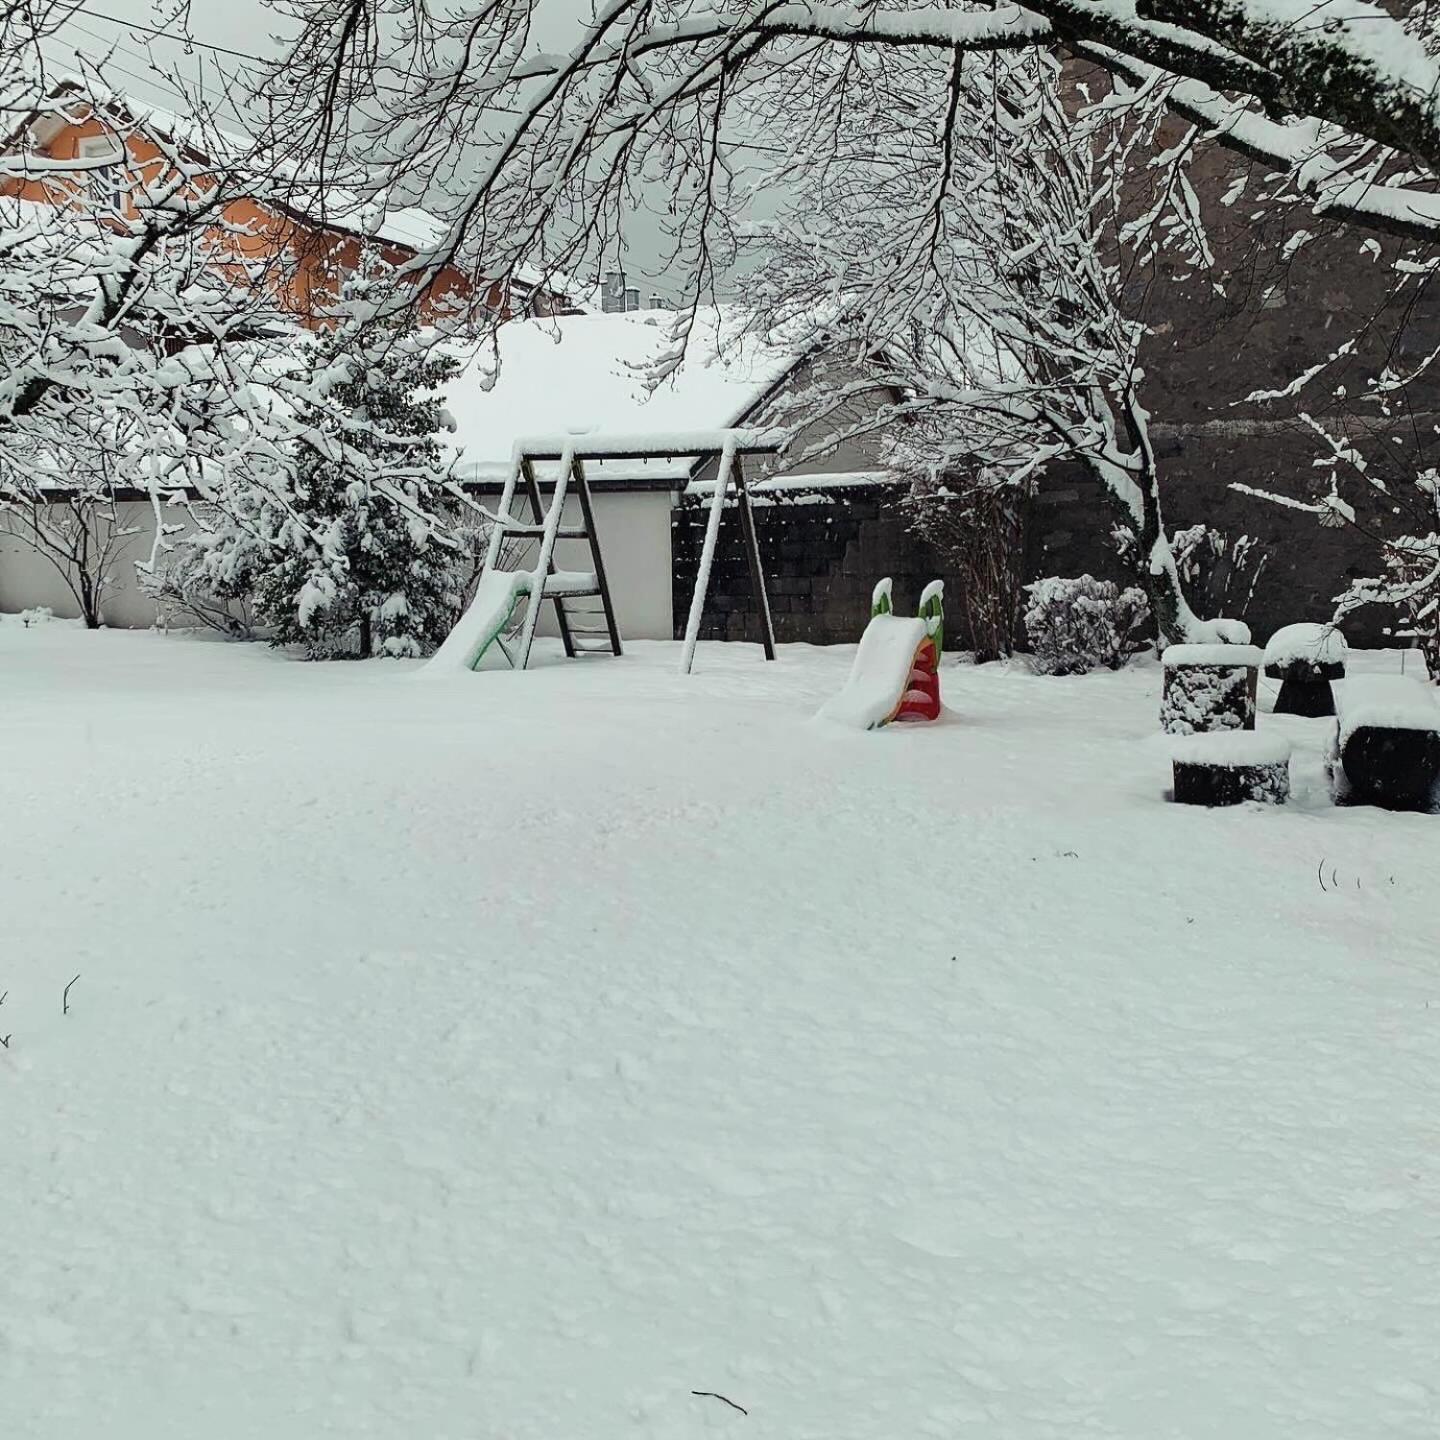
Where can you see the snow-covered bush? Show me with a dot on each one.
(188, 591)
(1083, 624)
(1219, 575)
(978, 530)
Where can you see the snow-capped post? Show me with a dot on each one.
(707, 553)
(1209, 687)
(1230, 768)
(1305, 659)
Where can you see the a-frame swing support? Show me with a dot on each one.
(729, 449)
(546, 581)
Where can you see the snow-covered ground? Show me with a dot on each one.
(509, 1057)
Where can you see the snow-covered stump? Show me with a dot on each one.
(1209, 687)
(1306, 659)
(1386, 750)
(1231, 767)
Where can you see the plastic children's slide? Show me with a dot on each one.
(896, 674)
(486, 619)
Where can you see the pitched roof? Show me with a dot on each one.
(410, 226)
(587, 374)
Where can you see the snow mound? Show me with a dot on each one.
(1384, 702)
(1221, 654)
(1232, 748)
(1317, 644)
(495, 600)
(1221, 632)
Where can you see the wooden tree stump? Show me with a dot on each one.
(1231, 767)
(1386, 750)
(1306, 659)
(1208, 688)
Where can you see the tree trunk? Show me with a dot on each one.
(1154, 560)
(1174, 619)
(367, 640)
(89, 601)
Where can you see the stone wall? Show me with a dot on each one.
(1305, 566)
(822, 554)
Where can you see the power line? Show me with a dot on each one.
(186, 40)
(171, 95)
(140, 57)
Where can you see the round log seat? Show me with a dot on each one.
(1231, 767)
(1209, 687)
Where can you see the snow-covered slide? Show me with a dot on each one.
(896, 671)
(486, 619)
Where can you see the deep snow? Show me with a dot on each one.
(510, 1057)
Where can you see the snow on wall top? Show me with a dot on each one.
(585, 374)
(1232, 748)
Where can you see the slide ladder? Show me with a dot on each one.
(585, 629)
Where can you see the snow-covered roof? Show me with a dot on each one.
(586, 374)
(409, 225)
(406, 225)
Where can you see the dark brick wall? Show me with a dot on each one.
(1306, 566)
(822, 557)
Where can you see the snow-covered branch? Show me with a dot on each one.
(526, 151)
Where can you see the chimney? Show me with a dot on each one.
(612, 292)
(657, 302)
(632, 297)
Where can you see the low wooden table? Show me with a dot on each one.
(1386, 749)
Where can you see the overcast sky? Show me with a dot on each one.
(147, 66)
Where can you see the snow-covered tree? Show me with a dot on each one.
(348, 544)
(60, 494)
(1392, 501)
(145, 345)
(138, 332)
(981, 274)
(530, 152)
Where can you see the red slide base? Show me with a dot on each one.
(921, 700)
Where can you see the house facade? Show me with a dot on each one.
(303, 246)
